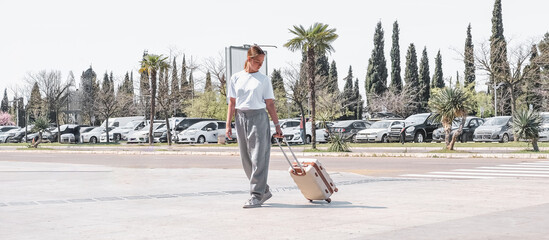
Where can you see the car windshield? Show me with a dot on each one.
(496, 121)
(380, 125)
(342, 124)
(98, 129)
(198, 125)
(129, 125)
(416, 119)
(456, 123)
(545, 119)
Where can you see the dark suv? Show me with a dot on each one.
(349, 128)
(417, 128)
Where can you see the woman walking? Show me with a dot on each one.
(250, 93)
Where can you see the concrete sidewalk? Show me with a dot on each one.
(66, 201)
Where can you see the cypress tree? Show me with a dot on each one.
(332, 79)
(208, 86)
(498, 58)
(191, 84)
(175, 80)
(348, 93)
(533, 83)
(35, 103)
(376, 76)
(396, 79)
(277, 81)
(130, 86)
(5, 102)
(438, 79)
(411, 77)
(322, 70)
(359, 101)
(469, 75)
(424, 80)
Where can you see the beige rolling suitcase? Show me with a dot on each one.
(311, 177)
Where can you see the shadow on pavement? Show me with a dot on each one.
(320, 204)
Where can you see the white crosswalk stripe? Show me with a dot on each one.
(520, 170)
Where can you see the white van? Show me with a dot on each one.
(121, 121)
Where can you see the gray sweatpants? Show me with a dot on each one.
(253, 133)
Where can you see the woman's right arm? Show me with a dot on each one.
(230, 114)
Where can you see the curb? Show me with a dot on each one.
(301, 154)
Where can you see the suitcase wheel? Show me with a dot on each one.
(328, 200)
(310, 200)
(335, 190)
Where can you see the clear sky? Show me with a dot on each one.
(111, 35)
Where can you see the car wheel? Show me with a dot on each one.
(308, 139)
(384, 139)
(201, 139)
(419, 137)
(505, 138)
(93, 140)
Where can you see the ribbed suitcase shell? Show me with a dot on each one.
(315, 183)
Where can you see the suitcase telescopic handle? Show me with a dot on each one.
(286, 156)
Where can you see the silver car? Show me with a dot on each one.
(377, 132)
(496, 129)
(544, 128)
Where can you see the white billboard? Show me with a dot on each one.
(235, 58)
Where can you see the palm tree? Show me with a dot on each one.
(41, 124)
(526, 125)
(151, 64)
(314, 41)
(450, 104)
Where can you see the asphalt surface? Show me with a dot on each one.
(158, 195)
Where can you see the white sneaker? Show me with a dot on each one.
(266, 197)
(252, 203)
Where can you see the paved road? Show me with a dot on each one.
(106, 196)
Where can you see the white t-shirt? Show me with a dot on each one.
(250, 90)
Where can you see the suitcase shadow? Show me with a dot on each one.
(320, 204)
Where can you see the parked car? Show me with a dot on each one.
(5, 136)
(142, 136)
(349, 128)
(377, 132)
(93, 135)
(46, 136)
(285, 125)
(122, 121)
(496, 129)
(418, 128)
(65, 128)
(7, 128)
(202, 132)
(121, 133)
(471, 124)
(293, 135)
(75, 138)
(544, 128)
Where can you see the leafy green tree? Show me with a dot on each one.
(438, 79)
(151, 64)
(107, 104)
(376, 76)
(396, 79)
(424, 81)
(280, 94)
(484, 104)
(526, 125)
(315, 40)
(411, 77)
(207, 105)
(450, 104)
(469, 60)
(332, 85)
